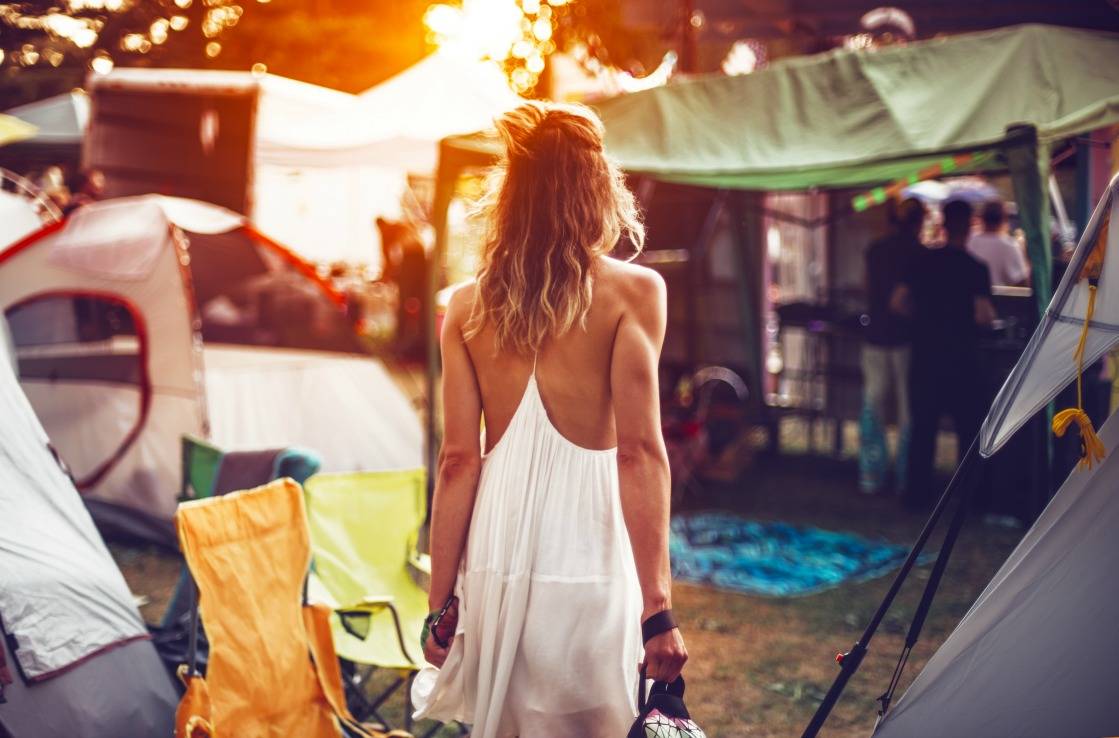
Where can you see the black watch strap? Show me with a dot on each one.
(662, 622)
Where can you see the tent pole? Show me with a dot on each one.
(923, 607)
(850, 661)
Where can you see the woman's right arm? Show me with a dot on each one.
(459, 465)
(643, 472)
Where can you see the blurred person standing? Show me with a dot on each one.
(947, 292)
(886, 350)
(996, 248)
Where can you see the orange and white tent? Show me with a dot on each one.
(107, 312)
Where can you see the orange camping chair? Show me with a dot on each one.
(272, 667)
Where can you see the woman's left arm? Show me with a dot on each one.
(459, 465)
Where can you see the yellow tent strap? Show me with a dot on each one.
(1092, 449)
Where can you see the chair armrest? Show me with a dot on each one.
(369, 604)
(356, 619)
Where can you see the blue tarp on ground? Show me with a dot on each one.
(773, 559)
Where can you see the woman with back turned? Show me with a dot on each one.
(549, 538)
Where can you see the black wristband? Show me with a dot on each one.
(662, 622)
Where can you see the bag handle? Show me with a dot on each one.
(655, 625)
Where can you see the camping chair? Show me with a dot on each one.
(364, 528)
(209, 471)
(272, 667)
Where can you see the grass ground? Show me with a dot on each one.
(759, 665)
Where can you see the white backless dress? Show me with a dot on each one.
(549, 635)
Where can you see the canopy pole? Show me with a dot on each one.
(751, 302)
(849, 662)
(1028, 162)
(447, 172)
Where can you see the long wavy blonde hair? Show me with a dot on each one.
(554, 204)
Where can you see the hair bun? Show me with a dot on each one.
(523, 127)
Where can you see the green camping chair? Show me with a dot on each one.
(209, 471)
(364, 529)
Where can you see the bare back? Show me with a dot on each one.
(573, 371)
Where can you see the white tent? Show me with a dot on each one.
(61, 120)
(102, 310)
(322, 178)
(325, 164)
(77, 655)
(397, 124)
(1038, 653)
(18, 217)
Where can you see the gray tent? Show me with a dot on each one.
(76, 659)
(61, 121)
(1038, 653)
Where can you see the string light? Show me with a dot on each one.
(39, 33)
(101, 63)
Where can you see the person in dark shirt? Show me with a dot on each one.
(885, 352)
(947, 294)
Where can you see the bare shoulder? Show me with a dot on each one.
(632, 285)
(460, 304)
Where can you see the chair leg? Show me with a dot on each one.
(432, 731)
(408, 702)
(383, 697)
(354, 685)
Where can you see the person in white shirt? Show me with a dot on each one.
(998, 249)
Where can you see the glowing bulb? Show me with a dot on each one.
(159, 30)
(101, 64)
(259, 69)
(521, 49)
(535, 64)
(184, 4)
(179, 22)
(443, 19)
(522, 79)
(84, 38)
(213, 49)
(542, 29)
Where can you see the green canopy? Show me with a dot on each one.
(850, 118)
(859, 118)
